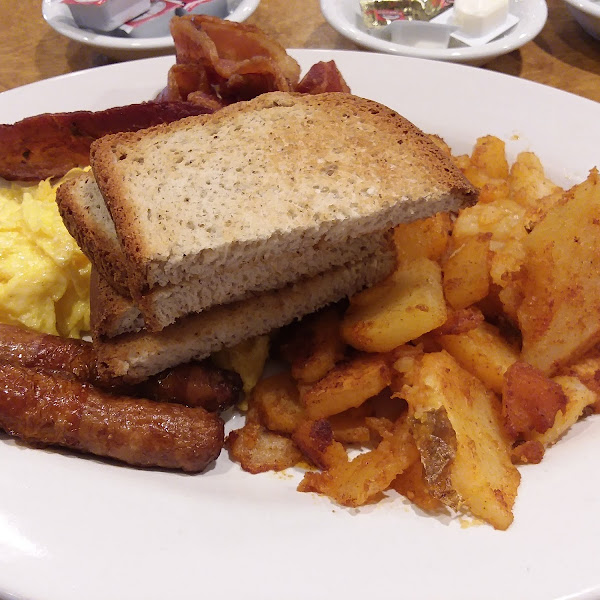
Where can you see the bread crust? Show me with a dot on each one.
(84, 214)
(313, 169)
(136, 356)
(87, 219)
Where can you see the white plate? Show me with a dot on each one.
(587, 14)
(74, 528)
(58, 16)
(345, 17)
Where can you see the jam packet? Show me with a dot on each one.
(378, 13)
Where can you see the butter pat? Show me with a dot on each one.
(475, 18)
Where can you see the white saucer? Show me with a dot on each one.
(58, 16)
(345, 17)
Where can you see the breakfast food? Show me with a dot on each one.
(266, 195)
(135, 356)
(474, 355)
(49, 145)
(260, 240)
(89, 221)
(192, 384)
(45, 276)
(49, 409)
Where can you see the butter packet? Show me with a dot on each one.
(379, 13)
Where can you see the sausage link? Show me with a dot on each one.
(25, 348)
(192, 384)
(49, 409)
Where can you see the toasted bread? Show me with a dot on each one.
(136, 356)
(89, 222)
(280, 185)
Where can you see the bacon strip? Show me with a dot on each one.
(239, 60)
(48, 145)
(323, 77)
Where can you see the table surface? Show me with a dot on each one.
(562, 55)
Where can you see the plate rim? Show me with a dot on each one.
(474, 55)
(52, 15)
(310, 54)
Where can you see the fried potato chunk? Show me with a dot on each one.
(473, 455)
(407, 304)
(482, 351)
(346, 386)
(315, 439)
(466, 272)
(258, 449)
(277, 403)
(579, 397)
(356, 482)
(426, 238)
(560, 314)
(530, 400)
(315, 346)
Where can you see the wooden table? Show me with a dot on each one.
(563, 55)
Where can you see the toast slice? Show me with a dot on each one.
(275, 185)
(86, 217)
(136, 356)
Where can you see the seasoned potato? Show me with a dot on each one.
(356, 482)
(484, 352)
(277, 403)
(423, 238)
(469, 458)
(411, 483)
(560, 314)
(579, 397)
(587, 370)
(315, 439)
(409, 303)
(489, 156)
(466, 272)
(504, 219)
(315, 346)
(349, 427)
(259, 450)
(346, 386)
(530, 400)
(529, 184)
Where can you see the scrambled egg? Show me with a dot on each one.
(44, 276)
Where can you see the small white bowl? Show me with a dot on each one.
(59, 17)
(587, 14)
(345, 17)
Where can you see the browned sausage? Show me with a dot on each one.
(195, 384)
(192, 384)
(49, 409)
(25, 348)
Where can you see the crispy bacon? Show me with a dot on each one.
(48, 145)
(239, 60)
(323, 77)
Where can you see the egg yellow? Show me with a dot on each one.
(44, 276)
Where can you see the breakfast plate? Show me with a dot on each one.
(345, 17)
(58, 16)
(75, 527)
